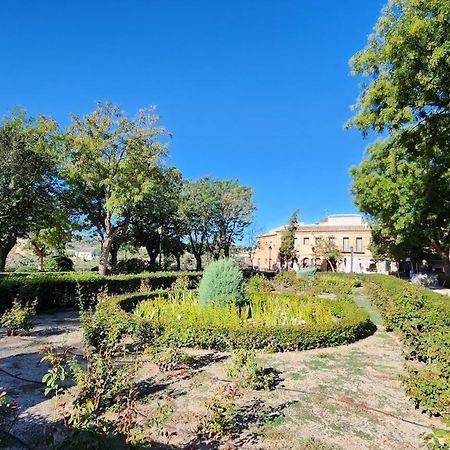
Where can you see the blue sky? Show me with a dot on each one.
(256, 90)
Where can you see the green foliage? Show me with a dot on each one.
(287, 250)
(105, 327)
(215, 214)
(109, 164)
(58, 263)
(18, 318)
(219, 418)
(422, 319)
(57, 371)
(247, 372)
(222, 283)
(259, 283)
(406, 63)
(54, 290)
(328, 250)
(169, 359)
(9, 413)
(270, 321)
(27, 177)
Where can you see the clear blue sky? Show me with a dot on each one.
(257, 90)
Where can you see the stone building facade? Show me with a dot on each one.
(349, 231)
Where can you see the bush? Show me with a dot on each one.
(53, 289)
(257, 283)
(18, 318)
(422, 319)
(222, 283)
(58, 264)
(132, 265)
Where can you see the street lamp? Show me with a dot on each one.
(160, 232)
(270, 250)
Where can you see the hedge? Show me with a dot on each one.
(354, 324)
(57, 289)
(421, 317)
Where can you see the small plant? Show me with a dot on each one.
(106, 326)
(222, 283)
(181, 283)
(18, 318)
(246, 371)
(57, 371)
(170, 359)
(259, 283)
(9, 412)
(220, 413)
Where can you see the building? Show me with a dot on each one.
(349, 231)
(86, 254)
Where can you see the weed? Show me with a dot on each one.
(18, 317)
(169, 359)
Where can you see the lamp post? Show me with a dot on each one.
(160, 232)
(270, 250)
(351, 259)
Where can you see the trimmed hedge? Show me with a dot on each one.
(422, 319)
(354, 324)
(57, 289)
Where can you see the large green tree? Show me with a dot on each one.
(233, 213)
(407, 67)
(407, 198)
(215, 214)
(403, 182)
(29, 183)
(110, 163)
(287, 246)
(158, 211)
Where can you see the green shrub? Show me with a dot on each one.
(258, 283)
(422, 320)
(58, 263)
(169, 359)
(132, 265)
(222, 283)
(18, 318)
(273, 322)
(53, 289)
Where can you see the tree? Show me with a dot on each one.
(233, 213)
(407, 62)
(28, 177)
(110, 162)
(407, 198)
(326, 249)
(159, 210)
(287, 246)
(198, 200)
(215, 214)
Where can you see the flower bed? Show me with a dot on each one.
(271, 322)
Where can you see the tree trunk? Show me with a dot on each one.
(178, 261)
(444, 254)
(445, 262)
(104, 255)
(114, 251)
(41, 262)
(5, 247)
(226, 251)
(198, 261)
(331, 265)
(152, 254)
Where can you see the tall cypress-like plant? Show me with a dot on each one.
(287, 247)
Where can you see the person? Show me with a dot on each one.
(295, 266)
(275, 268)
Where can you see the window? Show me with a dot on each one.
(306, 241)
(318, 240)
(295, 243)
(332, 240)
(359, 244)
(346, 244)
